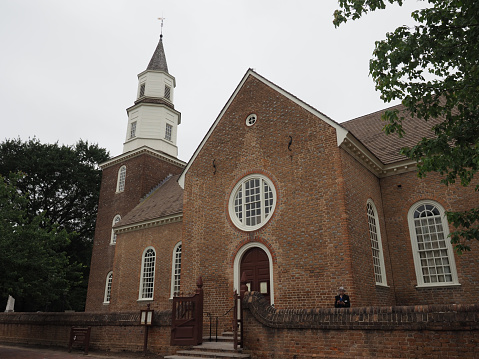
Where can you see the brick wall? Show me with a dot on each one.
(127, 267)
(436, 331)
(143, 172)
(360, 186)
(399, 193)
(114, 332)
(308, 225)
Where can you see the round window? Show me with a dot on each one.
(251, 119)
(252, 202)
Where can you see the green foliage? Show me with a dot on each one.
(60, 188)
(433, 68)
(33, 261)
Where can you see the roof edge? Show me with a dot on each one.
(341, 132)
(139, 151)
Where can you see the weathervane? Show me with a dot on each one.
(161, 32)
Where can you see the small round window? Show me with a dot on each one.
(251, 119)
(252, 202)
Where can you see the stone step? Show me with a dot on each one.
(217, 346)
(221, 338)
(209, 354)
(221, 350)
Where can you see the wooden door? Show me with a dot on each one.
(255, 265)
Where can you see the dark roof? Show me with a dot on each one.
(369, 130)
(165, 200)
(158, 60)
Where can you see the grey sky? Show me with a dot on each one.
(68, 69)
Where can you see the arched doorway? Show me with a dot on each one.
(255, 265)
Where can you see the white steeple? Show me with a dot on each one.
(153, 120)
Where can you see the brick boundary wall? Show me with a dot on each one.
(433, 331)
(114, 332)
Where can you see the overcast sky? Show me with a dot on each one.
(68, 69)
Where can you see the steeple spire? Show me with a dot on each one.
(158, 60)
(153, 120)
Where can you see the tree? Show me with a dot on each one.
(33, 261)
(433, 68)
(62, 183)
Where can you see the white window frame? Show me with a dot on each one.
(133, 129)
(141, 88)
(375, 238)
(109, 280)
(167, 92)
(143, 275)
(233, 206)
(168, 132)
(176, 269)
(447, 247)
(116, 219)
(120, 183)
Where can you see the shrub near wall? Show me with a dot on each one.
(434, 331)
(113, 331)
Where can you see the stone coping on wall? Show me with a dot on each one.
(420, 317)
(162, 318)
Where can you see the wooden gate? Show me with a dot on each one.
(187, 318)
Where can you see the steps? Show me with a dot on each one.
(222, 349)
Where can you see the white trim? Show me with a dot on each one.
(105, 301)
(121, 183)
(380, 243)
(231, 203)
(237, 264)
(140, 292)
(341, 132)
(173, 267)
(113, 232)
(178, 217)
(415, 248)
(140, 151)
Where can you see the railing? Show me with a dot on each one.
(216, 319)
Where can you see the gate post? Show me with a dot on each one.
(199, 310)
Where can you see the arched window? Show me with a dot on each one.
(120, 183)
(252, 202)
(113, 234)
(147, 274)
(433, 254)
(376, 244)
(109, 279)
(176, 270)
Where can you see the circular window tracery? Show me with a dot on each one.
(252, 202)
(251, 120)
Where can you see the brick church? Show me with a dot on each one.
(278, 191)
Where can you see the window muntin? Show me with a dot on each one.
(147, 274)
(176, 270)
(109, 280)
(433, 254)
(116, 219)
(167, 92)
(133, 130)
(168, 131)
(252, 202)
(120, 184)
(251, 120)
(376, 243)
(142, 90)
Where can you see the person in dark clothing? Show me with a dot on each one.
(342, 300)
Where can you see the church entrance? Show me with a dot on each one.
(255, 265)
